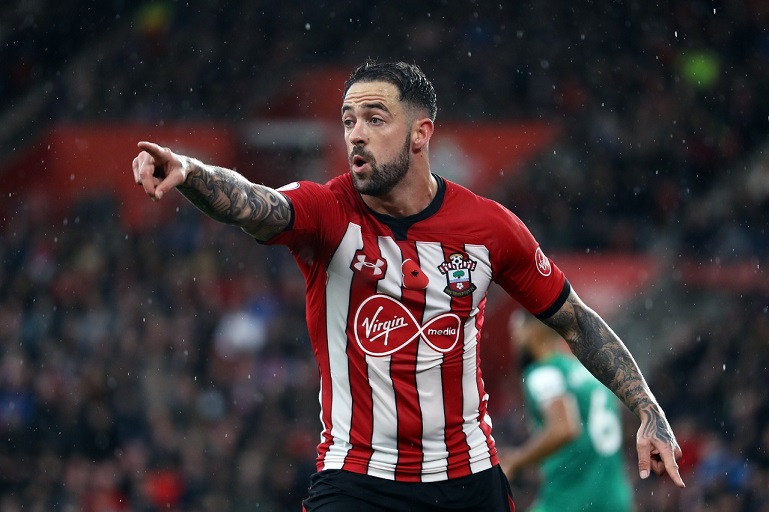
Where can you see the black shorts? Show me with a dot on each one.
(336, 490)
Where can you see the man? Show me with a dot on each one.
(578, 441)
(397, 262)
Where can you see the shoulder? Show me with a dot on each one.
(341, 183)
(310, 191)
(457, 192)
(463, 201)
(496, 225)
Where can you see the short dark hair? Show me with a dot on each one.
(414, 87)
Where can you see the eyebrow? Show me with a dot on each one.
(368, 106)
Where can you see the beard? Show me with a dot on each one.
(384, 177)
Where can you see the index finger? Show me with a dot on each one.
(671, 466)
(157, 152)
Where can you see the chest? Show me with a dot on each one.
(396, 291)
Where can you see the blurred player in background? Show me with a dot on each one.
(397, 263)
(577, 440)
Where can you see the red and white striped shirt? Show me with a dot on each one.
(394, 311)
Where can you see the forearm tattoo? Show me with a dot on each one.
(226, 196)
(602, 352)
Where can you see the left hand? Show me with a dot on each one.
(657, 447)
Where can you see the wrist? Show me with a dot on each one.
(188, 166)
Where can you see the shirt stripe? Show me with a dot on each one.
(339, 409)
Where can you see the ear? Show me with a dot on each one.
(422, 130)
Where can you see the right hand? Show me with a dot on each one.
(158, 169)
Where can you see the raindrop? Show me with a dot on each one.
(723, 367)
(307, 26)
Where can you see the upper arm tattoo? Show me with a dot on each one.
(226, 196)
(601, 351)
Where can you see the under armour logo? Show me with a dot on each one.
(375, 267)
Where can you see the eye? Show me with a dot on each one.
(348, 123)
(376, 120)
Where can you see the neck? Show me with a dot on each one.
(409, 197)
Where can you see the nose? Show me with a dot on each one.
(357, 135)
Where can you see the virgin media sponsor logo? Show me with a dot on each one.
(384, 326)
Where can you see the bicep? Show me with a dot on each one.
(587, 335)
(565, 321)
(270, 213)
(574, 320)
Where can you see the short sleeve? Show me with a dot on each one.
(544, 384)
(525, 271)
(313, 211)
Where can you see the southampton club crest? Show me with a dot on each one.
(458, 278)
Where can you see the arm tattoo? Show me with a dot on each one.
(602, 352)
(226, 196)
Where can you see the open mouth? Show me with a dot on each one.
(358, 162)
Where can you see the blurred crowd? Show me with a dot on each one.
(659, 102)
(171, 370)
(167, 371)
